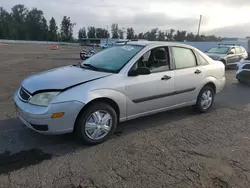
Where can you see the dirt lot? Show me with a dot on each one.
(172, 149)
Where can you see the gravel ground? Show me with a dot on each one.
(173, 149)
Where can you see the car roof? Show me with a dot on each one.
(228, 45)
(158, 43)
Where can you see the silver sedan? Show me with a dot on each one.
(118, 84)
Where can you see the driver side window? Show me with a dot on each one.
(157, 60)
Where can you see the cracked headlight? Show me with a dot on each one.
(43, 99)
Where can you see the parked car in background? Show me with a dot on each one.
(243, 72)
(85, 54)
(125, 41)
(229, 54)
(118, 84)
(105, 46)
(119, 43)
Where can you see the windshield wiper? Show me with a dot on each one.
(96, 68)
(90, 66)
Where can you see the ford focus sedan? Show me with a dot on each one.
(118, 84)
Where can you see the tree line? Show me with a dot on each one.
(24, 24)
(152, 35)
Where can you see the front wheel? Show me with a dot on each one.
(96, 123)
(205, 99)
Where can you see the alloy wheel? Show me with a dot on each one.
(98, 125)
(206, 99)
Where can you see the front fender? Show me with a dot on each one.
(85, 96)
(118, 97)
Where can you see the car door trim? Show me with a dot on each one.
(162, 95)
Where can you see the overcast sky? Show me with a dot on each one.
(230, 18)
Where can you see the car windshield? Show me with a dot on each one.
(111, 59)
(219, 50)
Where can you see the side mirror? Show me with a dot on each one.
(140, 71)
(230, 53)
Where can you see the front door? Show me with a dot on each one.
(150, 93)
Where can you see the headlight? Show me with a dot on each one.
(43, 99)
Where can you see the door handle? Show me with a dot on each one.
(165, 77)
(197, 71)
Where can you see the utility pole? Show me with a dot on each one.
(199, 25)
(124, 32)
(107, 34)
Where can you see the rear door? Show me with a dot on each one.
(238, 54)
(187, 75)
(244, 54)
(232, 58)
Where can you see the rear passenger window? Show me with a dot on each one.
(201, 59)
(183, 57)
(238, 50)
(242, 50)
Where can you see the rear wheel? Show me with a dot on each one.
(205, 99)
(96, 123)
(243, 82)
(240, 81)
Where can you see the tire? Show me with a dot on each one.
(199, 107)
(86, 116)
(243, 82)
(240, 81)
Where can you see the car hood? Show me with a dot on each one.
(60, 79)
(214, 55)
